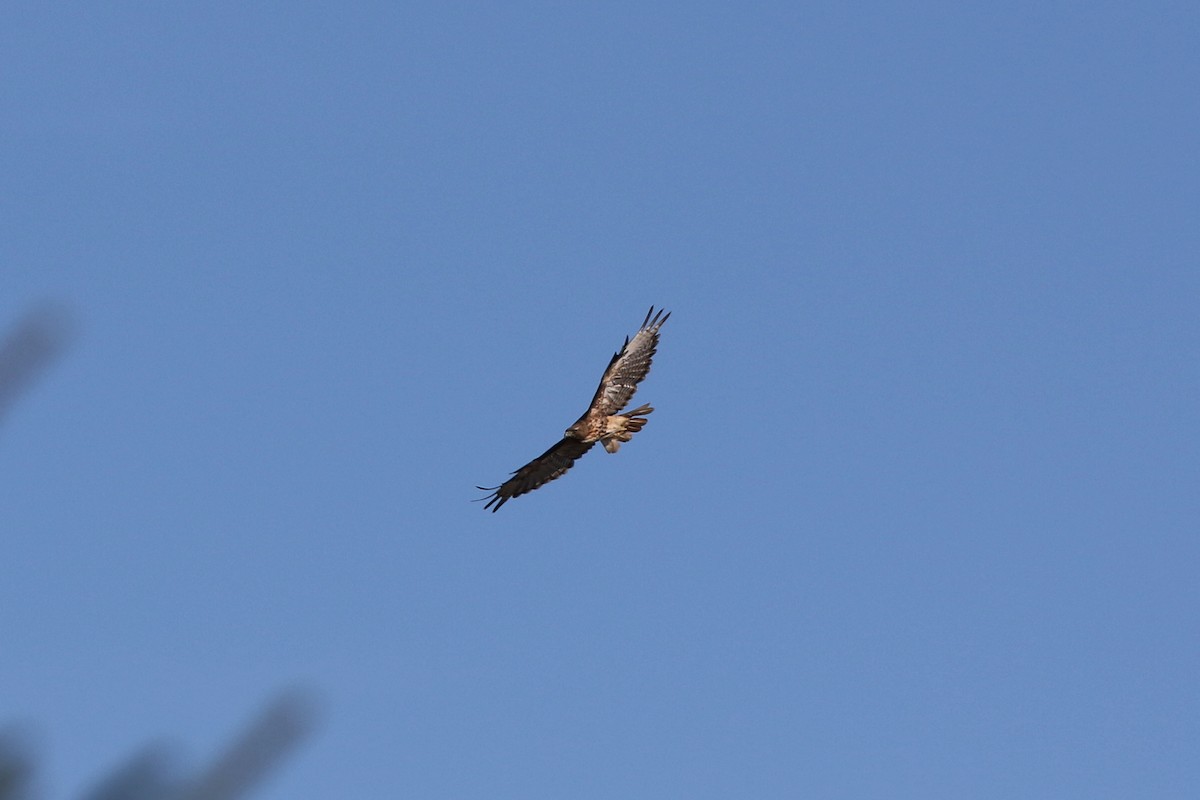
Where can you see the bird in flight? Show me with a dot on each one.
(602, 422)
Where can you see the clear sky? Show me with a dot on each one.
(916, 515)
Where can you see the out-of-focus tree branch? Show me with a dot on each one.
(150, 775)
(28, 349)
(240, 768)
(16, 769)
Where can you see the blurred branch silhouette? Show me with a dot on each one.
(150, 775)
(25, 352)
(16, 769)
(280, 728)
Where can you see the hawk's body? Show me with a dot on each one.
(602, 422)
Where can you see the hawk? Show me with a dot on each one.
(602, 422)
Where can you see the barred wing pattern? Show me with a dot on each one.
(629, 366)
(543, 469)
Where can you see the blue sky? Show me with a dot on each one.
(916, 515)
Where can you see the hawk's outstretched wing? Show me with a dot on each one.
(543, 469)
(629, 366)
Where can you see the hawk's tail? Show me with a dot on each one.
(624, 426)
(640, 411)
